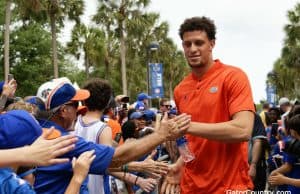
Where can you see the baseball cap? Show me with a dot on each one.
(149, 115)
(283, 100)
(19, 128)
(1, 86)
(56, 92)
(143, 96)
(137, 115)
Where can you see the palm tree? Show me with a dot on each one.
(92, 42)
(291, 49)
(283, 78)
(116, 15)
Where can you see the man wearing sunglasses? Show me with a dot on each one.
(165, 105)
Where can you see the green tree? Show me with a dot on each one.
(56, 12)
(31, 59)
(283, 78)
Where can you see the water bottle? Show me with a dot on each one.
(184, 150)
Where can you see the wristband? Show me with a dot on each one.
(136, 180)
(124, 168)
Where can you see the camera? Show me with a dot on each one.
(292, 146)
(124, 106)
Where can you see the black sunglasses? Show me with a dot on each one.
(75, 104)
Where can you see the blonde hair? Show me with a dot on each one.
(20, 105)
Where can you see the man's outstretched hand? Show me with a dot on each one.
(174, 128)
(171, 183)
(44, 152)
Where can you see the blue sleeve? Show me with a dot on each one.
(289, 158)
(11, 183)
(103, 154)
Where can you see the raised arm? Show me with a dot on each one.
(236, 130)
(41, 153)
(169, 129)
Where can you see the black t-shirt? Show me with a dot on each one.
(259, 132)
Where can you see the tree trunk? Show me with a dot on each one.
(106, 71)
(87, 65)
(6, 38)
(123, 61)
(54, 45)
(170, 89)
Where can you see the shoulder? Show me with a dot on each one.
(230, 70)
(186, 80)
(185, 84)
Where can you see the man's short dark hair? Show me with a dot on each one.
(198, 23)
(294, 123)
(100, 91)
(163, 100)
(266, 105)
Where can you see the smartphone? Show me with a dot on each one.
(118, 137)
(10, 77)
(124, 106)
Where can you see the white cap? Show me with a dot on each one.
(283, 100)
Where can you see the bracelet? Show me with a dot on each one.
(124, 168)
(136, 180)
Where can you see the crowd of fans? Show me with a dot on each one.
(63, 121)
(60, 135)
(273, 151)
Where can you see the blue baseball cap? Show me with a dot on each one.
(137, 115)
(19, 128)
(34, 100)
(149, 115)
(1, 86)
(143, 96)
(59, 91)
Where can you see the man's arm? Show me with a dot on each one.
(280, 179)
(42, 152)
(256, 153)
(283, 169)
(169, 129)
(236, 130)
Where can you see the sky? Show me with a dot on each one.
(249, 35)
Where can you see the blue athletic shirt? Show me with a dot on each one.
(295, 172)
(56, 178)
(140, 106)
